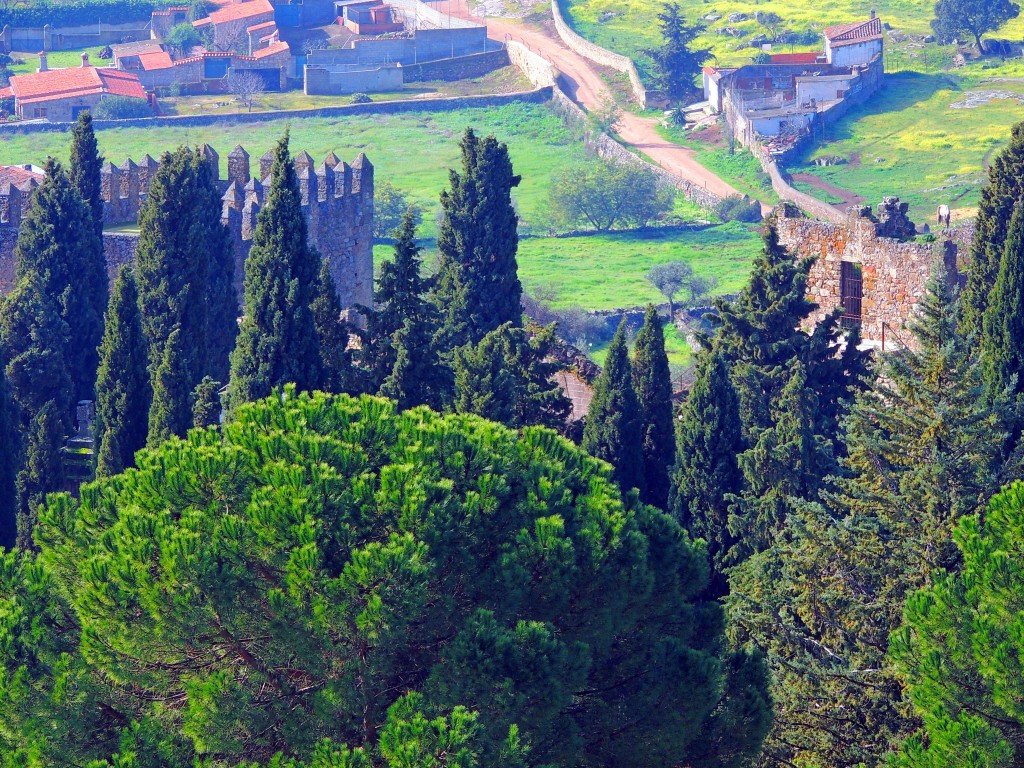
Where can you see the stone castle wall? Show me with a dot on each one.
(894, 271)
(337, 199)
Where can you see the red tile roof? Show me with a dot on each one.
(75, 82)
(236, 12)
(856, 30)
(261, 27)
(6, 93)
(270, 50)
(16, 175)
(155, 60)
(796, 58)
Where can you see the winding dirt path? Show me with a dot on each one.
(582, 82)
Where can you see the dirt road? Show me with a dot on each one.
(582, 82)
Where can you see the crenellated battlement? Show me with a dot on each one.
(337, 199)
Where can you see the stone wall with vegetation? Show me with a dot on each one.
(894, 272)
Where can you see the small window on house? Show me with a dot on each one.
(851, 292)
(39, 112)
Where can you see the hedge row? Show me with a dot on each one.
(73, 13)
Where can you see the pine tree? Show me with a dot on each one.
(506, 378)
(122, 385)
(1002, 334)
(57, 241)
(677, 62)
(478, 286)
(418, 376)
(10, 449)
(171, 411)
(42, 470)
(709, 438)
(278, 342)
(85, 165)
(613, 430)
(401, 292)
(653, 384)
(338, 372)
(925, 448)
(1004, 189)
(172, 272)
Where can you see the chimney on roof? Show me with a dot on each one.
(874, 13)
(42, 62)
(85, 58)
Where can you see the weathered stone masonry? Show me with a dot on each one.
(893, 272)
(337, 199)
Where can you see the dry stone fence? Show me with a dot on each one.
(337, 199)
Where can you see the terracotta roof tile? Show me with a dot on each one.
(237, 11)
(854, 30)
(15, 175)
(796, 58)
(75, 81)
(155, 60)
(270, 50)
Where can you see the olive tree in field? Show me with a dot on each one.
(954, 18)
(675, 277)
(247, 87)
(602, 193)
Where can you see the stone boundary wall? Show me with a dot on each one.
(49, 38)
(819, 209)
(894, 272)
(541, 72)
(459, 68)
(421, 10)
(448, 104)
(599, 55)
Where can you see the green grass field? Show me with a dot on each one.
(414, 150)
(629, 26)
(911, 141)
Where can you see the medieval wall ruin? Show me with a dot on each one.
(337, 199)
(893, 270)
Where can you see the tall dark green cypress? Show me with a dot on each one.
(653, 384)
(418, 371)
(42, 471)
(122, 385)
(400, 295)
(278, 342)
(1005, 187)
(57, 241)
(337, 370)
(86, 162)
(613, 429)
(478, 286)
(171, 411)
(221, 297)
(709, 438)
(1002, 336)
(10, 449)
(172, 272)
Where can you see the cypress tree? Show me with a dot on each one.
(478, 286)
(42, 470)
(709, 438)
(278, 342)
(206, 403)
(172, 273)
(34, 338)
(85, 166)
(171, 411)
(418, 376)
(57, 241)
(1002, 336)
(10, 448)
(613, 430)
(221, 297)
(122, 386)
(506, 378)
(1004, 189)
(400, 294)
(925, 448)
(653, 384)
(338, 372)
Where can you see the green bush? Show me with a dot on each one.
(360, 98)
(738, 208)
(76, 12)
(121, 108)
